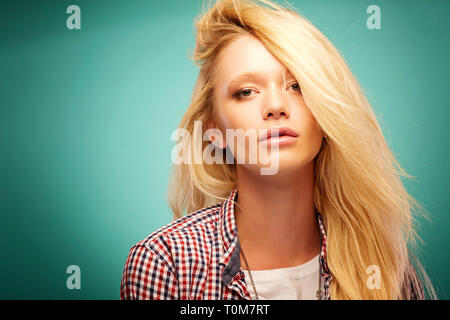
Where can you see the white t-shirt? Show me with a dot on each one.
(295, 283)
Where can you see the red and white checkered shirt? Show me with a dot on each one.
(197, 257)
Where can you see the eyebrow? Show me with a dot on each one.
(253, 76)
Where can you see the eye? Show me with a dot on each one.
(296, 87)
(243, 93)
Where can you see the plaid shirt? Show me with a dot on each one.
(196, 257)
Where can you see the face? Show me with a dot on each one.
(253, 90)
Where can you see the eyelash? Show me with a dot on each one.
(238, 96)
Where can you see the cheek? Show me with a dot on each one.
(310, 130)
(309, 122)
(236, 117)
(313, 129)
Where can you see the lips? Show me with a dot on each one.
(282, 131)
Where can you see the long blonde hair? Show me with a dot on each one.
(367, 211)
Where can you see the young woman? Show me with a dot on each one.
(333, 221)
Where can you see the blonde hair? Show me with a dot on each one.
(367, 211)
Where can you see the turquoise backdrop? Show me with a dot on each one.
(87, 115)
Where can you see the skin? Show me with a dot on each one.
(275, 218)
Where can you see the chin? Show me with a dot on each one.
(286, 164)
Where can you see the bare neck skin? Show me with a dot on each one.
(275, 219)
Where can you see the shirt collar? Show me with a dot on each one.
(230, 258)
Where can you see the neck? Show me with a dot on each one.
(275, 218)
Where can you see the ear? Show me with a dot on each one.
(214, 135)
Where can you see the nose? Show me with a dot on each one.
(276, 106)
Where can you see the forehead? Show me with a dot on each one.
(247, 57)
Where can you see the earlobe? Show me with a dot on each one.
(214, 135)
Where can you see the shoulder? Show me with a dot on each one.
(165, 241)
(201, 219)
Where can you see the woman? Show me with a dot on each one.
(332, 221)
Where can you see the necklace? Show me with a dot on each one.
(319, 293)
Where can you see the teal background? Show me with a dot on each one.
(86, 118)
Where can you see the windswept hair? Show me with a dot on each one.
(367, 212)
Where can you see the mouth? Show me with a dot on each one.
(278, 136)
(278, 133)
